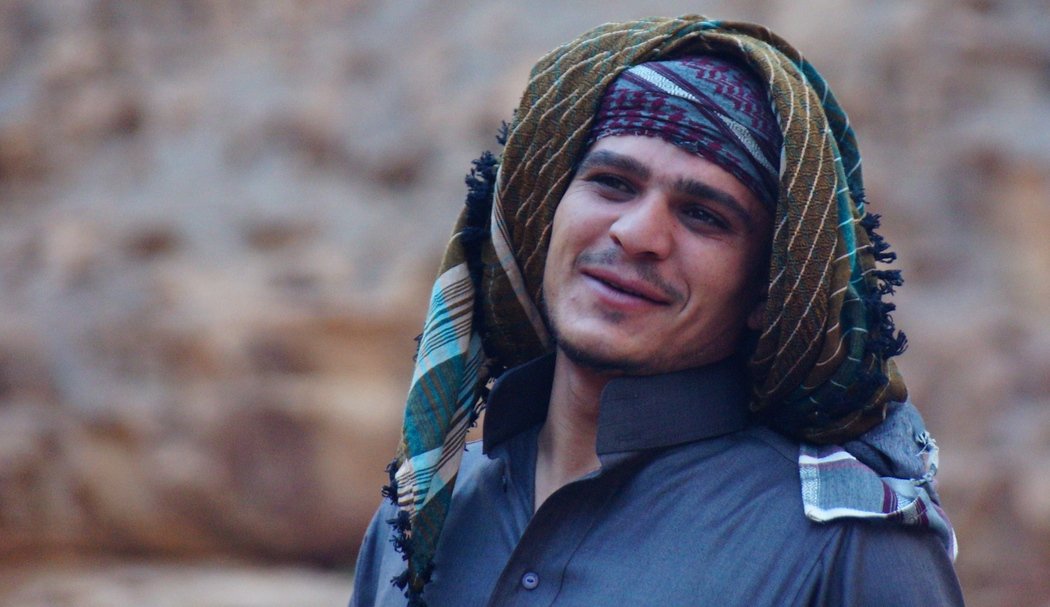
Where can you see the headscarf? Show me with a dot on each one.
(705, 105)
(821, 367)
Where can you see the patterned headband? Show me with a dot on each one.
(705, 105)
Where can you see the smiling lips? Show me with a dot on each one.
(637, 288)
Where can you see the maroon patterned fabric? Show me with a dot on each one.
(706, 105)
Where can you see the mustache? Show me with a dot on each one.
(638, 270)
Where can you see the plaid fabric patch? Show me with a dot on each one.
(840, 482)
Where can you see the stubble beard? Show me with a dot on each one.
(587, 358)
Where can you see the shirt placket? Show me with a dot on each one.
(537, 568)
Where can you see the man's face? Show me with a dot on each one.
(654, 259)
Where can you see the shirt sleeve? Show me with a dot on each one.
(370, 560)
(876, 563)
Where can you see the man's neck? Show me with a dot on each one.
(566, 443)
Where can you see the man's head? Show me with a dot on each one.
(658, 248)
(654, 258)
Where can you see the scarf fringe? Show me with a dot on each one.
(884, 340)
(476, 231)
(481, 184)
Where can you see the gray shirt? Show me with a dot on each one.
(693, 505)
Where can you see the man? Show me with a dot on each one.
(673, 277)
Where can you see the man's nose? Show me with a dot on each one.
(645, 228)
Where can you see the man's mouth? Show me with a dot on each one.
(631, 286)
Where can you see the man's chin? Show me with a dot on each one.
(600, 361)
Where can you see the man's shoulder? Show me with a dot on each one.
(752, 472)
(766, 443)
(768, 457)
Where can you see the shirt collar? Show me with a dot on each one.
(636, 412)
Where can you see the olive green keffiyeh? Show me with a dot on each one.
(821, 369)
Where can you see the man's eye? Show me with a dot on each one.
(613, 182)
(700, 215)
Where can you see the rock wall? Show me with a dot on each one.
(218, 223)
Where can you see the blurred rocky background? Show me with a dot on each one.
(219, 220)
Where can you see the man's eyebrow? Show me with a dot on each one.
(605, 158)
(698, 189)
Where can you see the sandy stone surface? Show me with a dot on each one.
(219, 220)
(131, 584)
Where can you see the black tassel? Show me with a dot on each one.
(413, 592)
(401, 541)
(481, 183)
(401, 522)
(887, 280)
(884, 340)
(504, 132)
(390, 491)
(879, 246)
(419, 341)
(400, 580)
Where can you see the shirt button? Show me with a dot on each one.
(530, 580)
